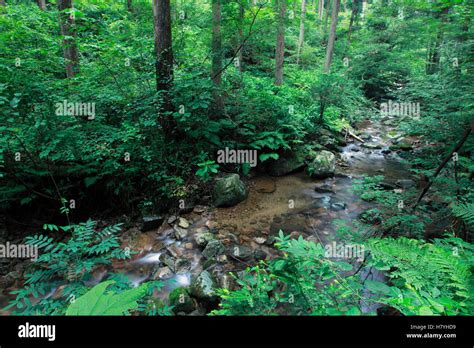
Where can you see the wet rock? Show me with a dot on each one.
(179, 232)
(260, 240)
(229, 190)
(405, 183)
(202, 238)
(287, 163)
(174, 250)
(325, 188)
(203, 286)
(386, 151)
(162, 273)
(182, 265)
(212, 225)
(323, 165)
(183, 223)
(222, 258)
(387, 186)
(260, 254)
(189, 246)
(241, 252)
(167, 260)
(371, 146)
(150, 223)
(172, 219)
(199, 209)
(213, 249)
(181, 301)
(338, 206)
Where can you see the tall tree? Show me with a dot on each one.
(280, 42)
(216, 51)
(320, 9)
(42, 4)
(241, 33)
(332, 35)
(301, 37)
(70, 51)
(326, 17)
(164, 62)
(129, 6)
(354, 12)
(434, 53)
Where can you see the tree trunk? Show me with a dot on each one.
(321, 9)
(129, 6)
(42, 4)
(280, 45)
(433, 62)
(70, 52)
(332, 35)
(301, 37)
(354, 11)
(216, 50)
(241, 34)
(326, 17)
(164, 62)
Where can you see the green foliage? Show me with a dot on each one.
(465, 212)
(99, 302)
(67, 263)
(301, 282)
(426, 278)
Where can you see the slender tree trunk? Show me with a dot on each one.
(332, 35)
(355, 5)
(42, 4)
(216, 67)
(241, 34)
(164, 63)
(458, 146)
(326, 17)
(301, 37)
(433, 63)
(280, 42)
(321, 9)
(70, 51)
(129, 6)
(364, 8)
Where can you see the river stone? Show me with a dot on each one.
(405, 183)
(371, 146)
(203, 286)
(229, 191)
(323, 165)
(183, 223)
(213, 249)
(180, 233)
(162, 273)
(202, 238)
(286, 163)
(167, 261)
(241, 252)
(338, 206)
(151, 222)
(181, 301)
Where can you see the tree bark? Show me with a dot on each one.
(320, 9)
(216, 67)
(354, 11)
(332, 36)
(164, 62)
(129, 6)
(433, 62)
(280, 42)
(42, 4)
(326, 17)
(301, 37)
(70, 52)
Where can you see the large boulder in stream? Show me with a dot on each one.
(287, 163)
(323, 165)
(203, 287)
(182, 301)
(229, 191)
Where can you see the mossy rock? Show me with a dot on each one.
(229, 191)
(181, 300)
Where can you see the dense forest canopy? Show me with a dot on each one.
(127, 120)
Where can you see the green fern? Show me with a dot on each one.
(465, 212)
